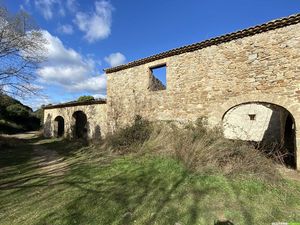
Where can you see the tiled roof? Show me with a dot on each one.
(272, 25)
(75, 103)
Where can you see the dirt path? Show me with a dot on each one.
(50, 162)
(27, 135)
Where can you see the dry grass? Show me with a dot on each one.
(199, 148)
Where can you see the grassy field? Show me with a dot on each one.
(60, 182)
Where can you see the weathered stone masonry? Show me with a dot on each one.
(96, 116)
(259, 66)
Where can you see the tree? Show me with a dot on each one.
(17, 111)
(85, 98)
(22, 49)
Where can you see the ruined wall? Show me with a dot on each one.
(155, 84)
(96, 120)
(207, 82)
(198, 82)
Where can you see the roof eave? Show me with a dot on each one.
(272, 25)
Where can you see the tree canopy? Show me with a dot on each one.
(85, 98)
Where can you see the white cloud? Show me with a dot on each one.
(115, 59)
(67, 68)
(93, 84)
(97, 24)
(35, 102)
(66, 29)
(47, 8)
(99, 96)
(72, 5)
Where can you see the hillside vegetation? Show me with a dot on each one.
(16, 117)
(147, 173)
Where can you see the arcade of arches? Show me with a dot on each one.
(76, 121)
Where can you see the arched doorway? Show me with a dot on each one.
(289, 141)
(80, 125)
(59, 126)
(263, 122)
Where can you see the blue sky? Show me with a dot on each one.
(86, 36)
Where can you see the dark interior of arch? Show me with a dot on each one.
(285, 150)
(289, 142)
(60, 126)
(80, 130)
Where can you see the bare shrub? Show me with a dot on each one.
(133, 135)
(275, 151)
(198, 147)
(205, 150)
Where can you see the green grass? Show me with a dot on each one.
(98, 187)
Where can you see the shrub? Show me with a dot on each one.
(136, 134)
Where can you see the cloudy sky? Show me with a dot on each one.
(86, 36)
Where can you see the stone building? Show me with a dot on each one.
(247, 80)
(76, 120)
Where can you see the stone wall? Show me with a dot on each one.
(208, 82)
(96, 120)
(155, 84)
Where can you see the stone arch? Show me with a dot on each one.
(265, 123)
(80, 124)
(59, 126)
(219, 110)
(293, 108)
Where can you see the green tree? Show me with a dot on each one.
(17, 111)
(39, 114)
(85, 98)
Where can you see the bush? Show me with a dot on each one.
(136, 134)
(199, 148)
